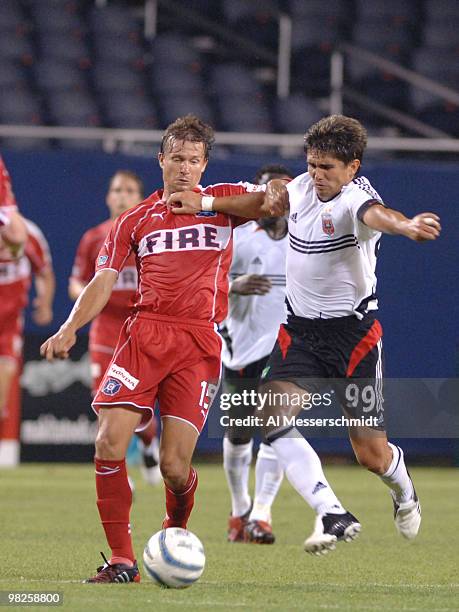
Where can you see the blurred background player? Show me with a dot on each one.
(125, 191)
(256, 308)
(15, 281)
(13, 232)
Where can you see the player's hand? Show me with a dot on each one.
(59, 345)
(251, 284)
(422, 227)
(185, 202)
(42, 312)
(276, 202)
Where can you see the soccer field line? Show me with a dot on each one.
(452, 585)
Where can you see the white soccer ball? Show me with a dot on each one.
(174, 558)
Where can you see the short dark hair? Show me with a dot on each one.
(131, 175)
(342, 137)
(269, 172)
(189, 128)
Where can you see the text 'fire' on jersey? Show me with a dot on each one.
(182, 260)
(332, 254)
(251, 327)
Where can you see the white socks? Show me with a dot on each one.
(396, 477)
(268, 478)
(304, 471)
(236, 463)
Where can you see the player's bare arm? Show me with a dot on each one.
(422, 227)
(90, 303)
(250, 284)
(45, 285)
(272, 202)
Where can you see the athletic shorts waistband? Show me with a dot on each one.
(160, 318)
(336, 322)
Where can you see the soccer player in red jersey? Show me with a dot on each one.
(168, 348)
(15, 280)
(13, 232)
(125, 191)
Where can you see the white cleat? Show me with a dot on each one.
(329, 529)
(407, 517)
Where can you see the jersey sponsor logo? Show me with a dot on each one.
(194, 237)
(102, 259)
(327, 224)
(123, 375)
(111, 386)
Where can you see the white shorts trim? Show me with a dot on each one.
(142, 425)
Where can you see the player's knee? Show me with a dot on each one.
(106, 448)
(174, 471)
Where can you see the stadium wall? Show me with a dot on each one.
(64, 193)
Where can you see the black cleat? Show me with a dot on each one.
(119, 572)
(329, 529)
(259, 532)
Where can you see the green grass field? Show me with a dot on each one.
(51, 539)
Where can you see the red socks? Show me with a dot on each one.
(180, 504)
(114, 500)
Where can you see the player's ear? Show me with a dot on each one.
(354, 166)
(161, 159)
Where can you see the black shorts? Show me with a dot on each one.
(343, 353)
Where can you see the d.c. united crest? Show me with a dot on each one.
(327, 224)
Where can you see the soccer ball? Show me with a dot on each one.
(174, 558)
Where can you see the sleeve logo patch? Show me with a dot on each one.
(102, 259)
(111, 386)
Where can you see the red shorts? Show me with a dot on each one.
(11, 331)
(177, 361)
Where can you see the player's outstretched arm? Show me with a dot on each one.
(422, 227)
(272, 202)
(91, 301)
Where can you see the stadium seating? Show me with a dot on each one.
(120, 79)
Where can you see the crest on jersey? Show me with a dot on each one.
(327, 224)
(207, 213)
(111, 386)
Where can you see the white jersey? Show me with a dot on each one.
(331, 258)
(252, 324)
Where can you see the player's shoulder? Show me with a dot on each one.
(361, 186)
(300, 185)
(135, 214)
(226, 189)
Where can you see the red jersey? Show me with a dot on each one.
(16, 274)
(183, 260)
(7, 199)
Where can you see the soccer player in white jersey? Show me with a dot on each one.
(256, 309)
(335, 225)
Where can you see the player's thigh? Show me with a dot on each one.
(117, 423)
(361, 394)
(279, 401)
(178, 441)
